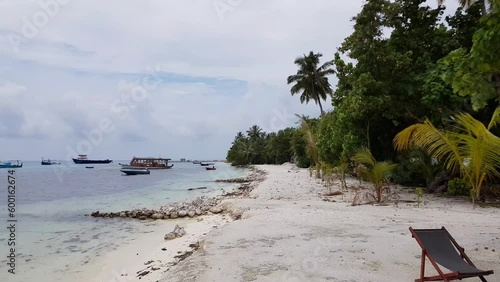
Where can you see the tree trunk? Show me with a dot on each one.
(483, 7)
(368, 135)
(378, 191)
(321, 107)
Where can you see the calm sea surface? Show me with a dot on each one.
(53, 237)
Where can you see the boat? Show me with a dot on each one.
(204, 164)
(49, 162)
(151, 163)
(196, 162)
(89, 167)
(135, 171)
(210, 168)
(10, 164)
(82, 159)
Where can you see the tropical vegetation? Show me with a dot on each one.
(417, 92)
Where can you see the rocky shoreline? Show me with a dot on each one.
(200, 206)
(204, 208)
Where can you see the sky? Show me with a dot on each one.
(170, 78)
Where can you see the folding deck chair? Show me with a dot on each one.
(440, 248)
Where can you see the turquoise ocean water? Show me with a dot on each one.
(53, 237)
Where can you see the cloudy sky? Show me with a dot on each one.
(176, 78)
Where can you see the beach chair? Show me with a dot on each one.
(440, 248)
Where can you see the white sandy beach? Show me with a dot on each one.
(151, 252)
(288, 233)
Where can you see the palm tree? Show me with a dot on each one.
(468, 147)
(255, 132)
(311, 141)
(468, 3)
(310, 80)
(238, 137)
(375, 172)
(245, 147)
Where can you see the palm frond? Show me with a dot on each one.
(495, 119)
(311, 140)
(310, 80)
(439, 145)
(381, 170)
(364, 156)
(468, 145)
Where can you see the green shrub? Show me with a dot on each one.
(420, 194)
(457, 187)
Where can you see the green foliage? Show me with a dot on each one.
(394, 81)
(310, 135)
(299, 148)
(335, 138)
(477, 73)
(311, 80)
(279, 146)
(258, 147)
(416, 168)
(375, 172)
(466, 146)
(420, 194)
(458, 187)
(402, 65)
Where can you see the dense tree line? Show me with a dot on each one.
(259, 147)
(404, 65)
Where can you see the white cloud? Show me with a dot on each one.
(231, 70)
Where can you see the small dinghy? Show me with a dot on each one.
(89, 167)
(135, 171)
(210, 168)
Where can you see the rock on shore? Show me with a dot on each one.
(200, 206)
(177, 233)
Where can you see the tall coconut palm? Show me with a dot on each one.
(467, 146)
(311, 80)
(255, 132)
(373, 171)
(245, 147)
(238, 137)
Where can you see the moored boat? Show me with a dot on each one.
(196, 162)
(82, 159)
(10, 164)
(210, 168)
(49, 162)
(135, 171)
(151, 163)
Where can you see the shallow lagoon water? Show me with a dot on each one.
(54, 238)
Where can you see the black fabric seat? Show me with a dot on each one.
(439, 247)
